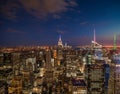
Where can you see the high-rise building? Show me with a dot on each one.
(114, 42)
(3, 87)
(59, 55)
(94, 42)
(117, 73)
(16, 62)
(6, 70)
(94, 35)
(60, 42)
(111, 81)
(31, 64)
(79, 86)
(1, 58)
(15, 86)
(117, 79)
(48, 59)
(95, 77)
(7, 61)
(49, 68)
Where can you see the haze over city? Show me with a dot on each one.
(40, 22)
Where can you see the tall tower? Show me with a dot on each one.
(95, 84)
(94, 43)
(114, 42)
(49, 68)
(94, 35)
(60, 41)
(48, 60)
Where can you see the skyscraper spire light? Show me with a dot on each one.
(60, 38)
(60, 41)
(114, 42)
(94, 35)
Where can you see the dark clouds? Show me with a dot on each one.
(37, 8)
(11, 30)
(84, 23)
(9, 8)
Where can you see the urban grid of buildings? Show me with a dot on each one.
(60, 69)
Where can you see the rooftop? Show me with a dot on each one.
(78, 82)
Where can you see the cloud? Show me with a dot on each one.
(84, 23)
(10, 30)
(41, 8)
(56, 16)
(9, 9)
(73, 3)
(37, 8)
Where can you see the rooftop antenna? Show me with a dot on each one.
(60, 37)
(114, 48)
(94, 35)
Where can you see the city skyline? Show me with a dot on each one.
(40, 22)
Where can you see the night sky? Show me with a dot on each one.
(40, 22)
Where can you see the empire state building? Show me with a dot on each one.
(60, 42)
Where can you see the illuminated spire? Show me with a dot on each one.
(114, 41)
(60, 41)
(94, 35)
(95, 44)
(60, 38)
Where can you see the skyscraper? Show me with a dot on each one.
(49, 68)
(114, 42)
(60, 41)
(94, 35)
(95, 44)
(48, 60)
(116, 58)
(94, 75)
